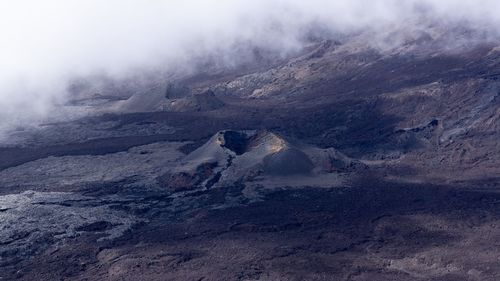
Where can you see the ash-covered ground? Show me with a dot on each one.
(339, 163)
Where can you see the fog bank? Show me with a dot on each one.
(45, 43)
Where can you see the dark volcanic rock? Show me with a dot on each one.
(344, 162)
(205, 101)
(182, 181)
(236, 141)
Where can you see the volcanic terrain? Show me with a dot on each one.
(340, 162)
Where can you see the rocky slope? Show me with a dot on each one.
(346, 161)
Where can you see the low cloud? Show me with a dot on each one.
(45, 43)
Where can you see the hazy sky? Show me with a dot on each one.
(45, 42)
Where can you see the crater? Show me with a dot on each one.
(236, 141)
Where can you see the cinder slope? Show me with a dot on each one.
(230, 157)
